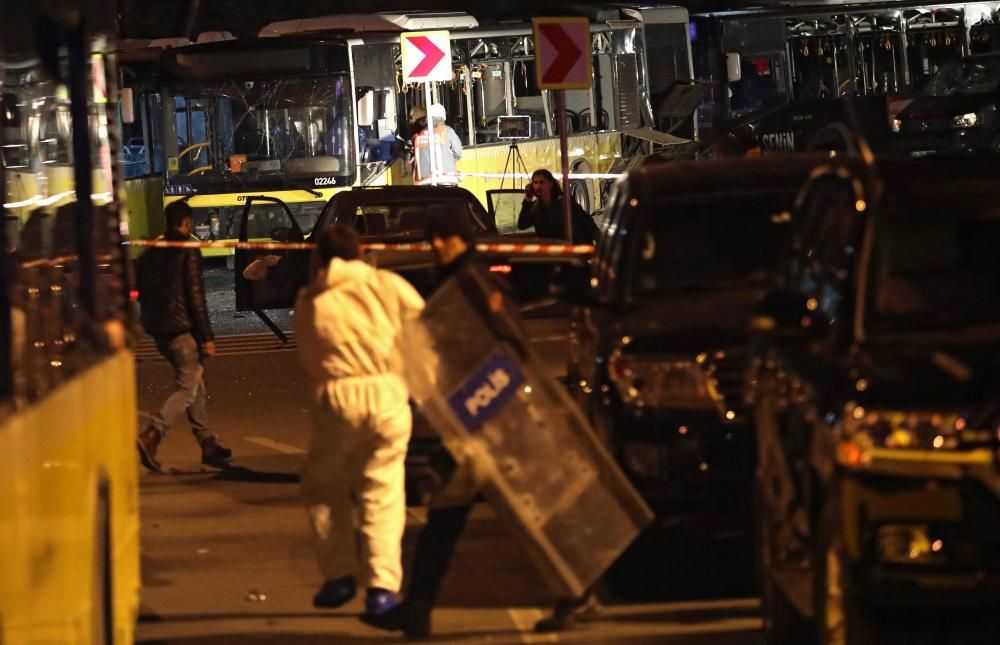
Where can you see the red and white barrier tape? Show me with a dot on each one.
(512, 248)
(557, 175)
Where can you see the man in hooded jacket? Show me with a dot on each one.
(346, 325)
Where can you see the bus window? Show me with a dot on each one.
(761, 85)
(820, 66)
(934, 38)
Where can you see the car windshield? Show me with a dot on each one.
(936, 268)
(411, 217)
(967, 76)
(247, 130)
(704, 246)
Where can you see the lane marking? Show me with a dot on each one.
(686, 606)
(524, 620)
(276, 445)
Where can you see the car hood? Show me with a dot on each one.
(956, 377)
(691, 322)
(940, 107)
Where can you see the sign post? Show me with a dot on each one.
(426, 58)
(563, 62)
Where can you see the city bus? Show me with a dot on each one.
(318, 105)
(787, 75)
(69, 525)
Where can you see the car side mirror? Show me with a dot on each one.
(790, 316)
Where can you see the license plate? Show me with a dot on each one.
(921, 153)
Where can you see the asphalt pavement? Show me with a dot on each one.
(227, 556)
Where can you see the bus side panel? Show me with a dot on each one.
(599, 150)
(55, 453)
(144, 207)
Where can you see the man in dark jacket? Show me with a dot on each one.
(453, 242)
(543, 208)
(174, 313)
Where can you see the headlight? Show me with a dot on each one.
(659, 382)
(903, 430)
(966, 120)
(897, 125)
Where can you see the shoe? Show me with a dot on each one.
(213, 454)
(414, 621)
(379, 601)
(569, 612)
(148, 442)
(335, 593)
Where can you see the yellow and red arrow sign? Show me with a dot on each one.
(562, 53)
(426, 56)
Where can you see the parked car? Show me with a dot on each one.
(956, 112)
(874, 383)
(268, 279)
(660, 348)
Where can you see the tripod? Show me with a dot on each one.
(514, 164)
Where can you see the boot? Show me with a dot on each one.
(213, 454)
(411, 618)
(569, 612)
(335, 593)
(148, 442)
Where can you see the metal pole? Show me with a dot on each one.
(564, 154)
(431, 143)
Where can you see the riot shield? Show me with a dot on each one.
(547, 476)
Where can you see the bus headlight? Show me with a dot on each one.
(966, 120)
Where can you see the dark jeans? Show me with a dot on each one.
(435, 547)
(189, 396)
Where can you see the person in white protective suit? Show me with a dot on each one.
(346, 325)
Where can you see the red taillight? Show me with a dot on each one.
(501, 268)
(133, 294)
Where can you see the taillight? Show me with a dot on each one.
(133, 294)
(501, 268)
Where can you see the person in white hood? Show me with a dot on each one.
(346, 325)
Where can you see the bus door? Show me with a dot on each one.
(266, 278)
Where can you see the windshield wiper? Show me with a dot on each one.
(309, 189)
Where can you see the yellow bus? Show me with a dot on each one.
(69, 527)
(315, 106)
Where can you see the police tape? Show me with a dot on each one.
(506, 247)
(557, 175)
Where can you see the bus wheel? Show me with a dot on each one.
(581, 195)
(579, 188)
(102, 626)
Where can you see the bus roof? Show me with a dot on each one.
(360, 22)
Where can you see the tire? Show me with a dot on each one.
(581, 195)
(102, 621)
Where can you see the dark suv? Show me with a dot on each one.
(876, 394)
(956, 112)
(660, 353)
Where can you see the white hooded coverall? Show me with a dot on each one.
(346, 326)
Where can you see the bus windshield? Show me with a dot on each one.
(265, 129)
(967, 76)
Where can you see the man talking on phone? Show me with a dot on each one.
(542, 208)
